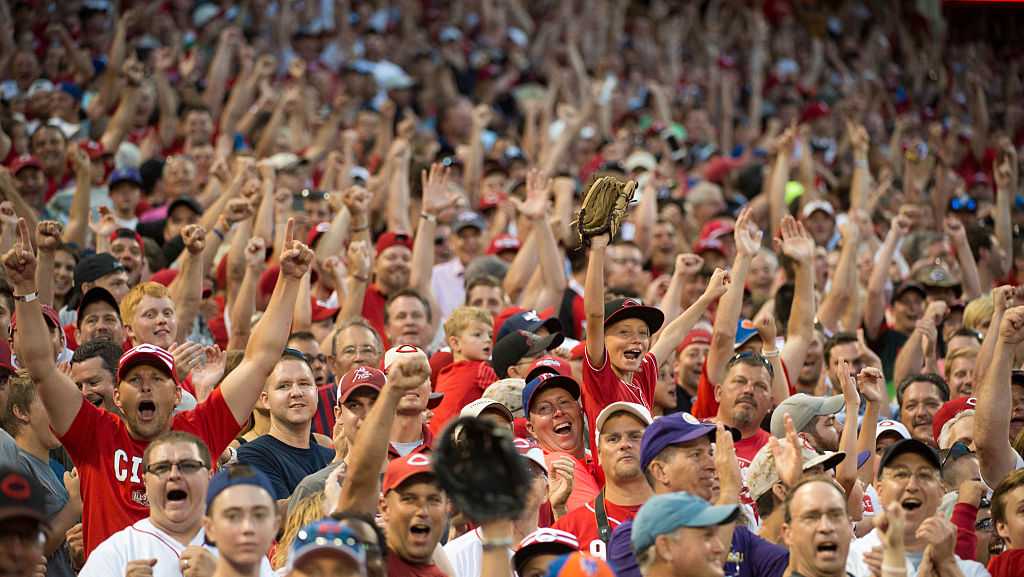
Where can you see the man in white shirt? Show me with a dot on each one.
(447, 282)
(909, 475)
(171, 539)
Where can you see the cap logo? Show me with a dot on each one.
(521, 443)
(690, 418)
(531, 316)
(971, 402)
(362, 374)
(406, 349)
(631, 303)
(418, 460)
(886, 423)
(16, 487)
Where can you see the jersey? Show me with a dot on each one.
(583, 523)
(144, 540)
(584, 485)
(602, 387)
(373, 311)
(109, 461)
(462, 383)
(745, 451)
(398, 567)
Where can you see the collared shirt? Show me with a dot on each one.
(856, 566)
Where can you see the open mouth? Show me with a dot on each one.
(420, 529)
(828, 547)
(176, 495)
(147, 409)
(563, 429)
(632, 354)
(910, 504)
(96, 400)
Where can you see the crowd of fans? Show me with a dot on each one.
(258, 254)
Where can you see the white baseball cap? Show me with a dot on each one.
(891, 426)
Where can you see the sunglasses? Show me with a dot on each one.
(963, 204)
(746, 356)
(955, 452)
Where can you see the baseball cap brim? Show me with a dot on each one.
(526, 553)
(434, 400)
(145, 358)
(94, 295)
(827, 460)
(909, 446)
(477, 407)
(546, 343)
(326, 550)
(23, 513)
(651, 316)
(562, 382)
(909, 286)
(363, 386)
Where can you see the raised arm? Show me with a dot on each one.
(861, 180)
(844, 292)
(968, 267)
(436, 199)
(243, 385)
(871, 384)
(918, 352)
(59, 393)
(536, 209)
(593, 299)
(992, 420)
(360, 489)
(244, 304)
(220, 70)
(1002, 299)
(798, 245)
(47, 242)
(475, 162)
(1007, 187)
(672, 334)
(778, 178)
(360, 265)
(874, 308)
(168, 100)
(846, 471)
(187, 288)
(748, 241)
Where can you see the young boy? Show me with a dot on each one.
(621, 361)
(468, 332)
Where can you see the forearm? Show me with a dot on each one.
(726, 317)
(214, 239)
(44, 276)
(239, 99)
(800, 326)
(522, 268)
(23, 209)
(332, 242)
(674, 332)
(777, 191)
(217, 79)
(593, 303)
(118, 125)
(843, 291)
(60, 524)
(644, 217)
(187, 292)
(874, 309)
(423, 255)
(552, 271)
(302, 315)
(474, 166)
(324, 135)
(968, 271)
(270, 131)
(242, 309)
(846, 471)
(352, 304)
(168, 110)
(270, 334)
(988, 346)
(670, 303)
(397, 210)
(992, 420)
(911, 357)
(359, 491)
(866, 440)
(1004, 226)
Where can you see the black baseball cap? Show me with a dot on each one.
(909, 286)
(94, 295)
(188, 201)
(909, 446)
(96, 266)
(518, 344)
(621, 309)
(21, 496)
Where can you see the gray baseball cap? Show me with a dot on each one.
(803, 408)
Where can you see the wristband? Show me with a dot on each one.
(492, 544)
(27, 298)
(358, 228)
(428, 217)
(770, 354)
(860, 163)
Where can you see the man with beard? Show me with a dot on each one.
(412, 506)
(909, 478)
(126, 245)
(620, 430)
(107, 448)
(93, 369)
(920, 397)
(99, 318)
(391, 269)
(171, 539)
(690, 356)
(288, 452)
(814, 419)
(25, 442)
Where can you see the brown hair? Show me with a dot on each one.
(1009, 483)
(178, 437)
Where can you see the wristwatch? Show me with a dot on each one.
(33, 296)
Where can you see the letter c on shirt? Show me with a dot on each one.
(120, 465)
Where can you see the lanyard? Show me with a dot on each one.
(604, 531)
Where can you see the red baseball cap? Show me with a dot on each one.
(145, 354)
(549, 364)
(578, 351)
(948, 410)
(321, 313)
(716, 229)
(719, 168)
(491, 199)
(358, 378)
(93, 148)
(23, 161)
(401, 470)
(5, 357)
(390, 239)
(128, 233)
(503, 243)
(696, 336)
(703, 246)
(315, 233)
(49, 313)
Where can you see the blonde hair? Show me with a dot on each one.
(961, 353)
(308, 509)
(131, 301)
(977, 311)
(462, 317)
(945, 441)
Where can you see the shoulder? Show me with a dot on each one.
(463, 544)
(260, 446)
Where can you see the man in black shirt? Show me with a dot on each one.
(288, 452)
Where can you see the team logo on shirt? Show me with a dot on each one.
(139, 496)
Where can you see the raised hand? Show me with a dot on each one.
(727, 466)
(256, 253)
(746, 234)
(848, 381)
(164, 59)
(538, 187)
(718, 284)
(437, 197)
(357, 199)
(194, 238)
(482, 116)
(187, 357)
(133, 71)
(360, 260)
(900, 226)
(1002, 298)
(870, 383)
(890, 523)
(858, 137)
(1011, 329)
(688, 265)
(940, 534)
(561, 483)
(237, 210)
(936, 311)
(106, 225)
(20, 262)
(789, 460)
(296, 257)
(266, 65)
(409, 370)
(955, 231)
(765, 326)
(48, 235)
(297, 68)
(206, 375)
(79, 160)
(796, 242)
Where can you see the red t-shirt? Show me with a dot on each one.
(583, 523)
(602, 387)
(745, 451)
(397, 567)
(373, 311)
(109, 461)
(462, 383)
(585, 486)
(705, 406)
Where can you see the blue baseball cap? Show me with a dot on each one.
(528, 321)
(327, 538)
(743, 334)
(546, 380)
(672, 430)
(234, 475)
(124, 175)
(663, 514)
(469, 219)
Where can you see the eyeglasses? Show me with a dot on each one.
(548, 409)
(185, 467)
(366, 351)
(903, 475)
(750, 356)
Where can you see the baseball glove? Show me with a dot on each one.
(478, 466)
(603, 208)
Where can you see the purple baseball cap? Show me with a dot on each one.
(672, 430)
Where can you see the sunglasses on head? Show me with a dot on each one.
(750, 356)
(955, 452)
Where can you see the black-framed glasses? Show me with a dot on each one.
(185, 467)
(955, 452)
(747, 356)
